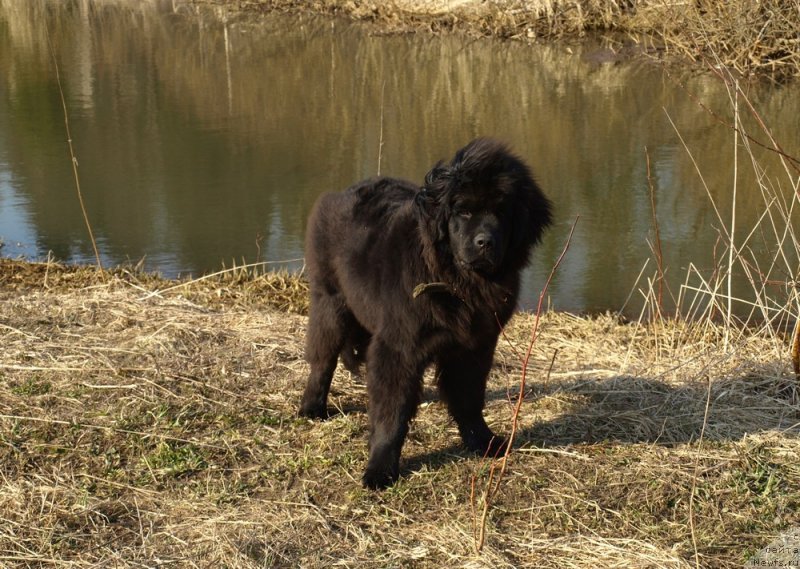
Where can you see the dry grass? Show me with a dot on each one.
(744, 36)
(142, 428)
(748, 37)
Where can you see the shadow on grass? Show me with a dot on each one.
(624, 410)
(632, 410)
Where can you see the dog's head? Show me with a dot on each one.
(485, 207)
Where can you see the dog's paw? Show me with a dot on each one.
(313, 411)
(379, 479)
(492, 447)
(497, 447)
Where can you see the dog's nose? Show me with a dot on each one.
(483, 240)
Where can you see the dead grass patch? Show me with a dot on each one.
(147, 422)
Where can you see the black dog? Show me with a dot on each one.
(405, 277)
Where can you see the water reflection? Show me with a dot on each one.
(204, 138)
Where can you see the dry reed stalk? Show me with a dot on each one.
(735, 186)
(658, 252)
(796, 351)
(380, 137)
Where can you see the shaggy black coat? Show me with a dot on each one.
(405, 277)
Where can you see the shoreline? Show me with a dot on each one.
(749, 39)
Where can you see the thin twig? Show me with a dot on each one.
(216, 274)
(492, 485)
(89, 426)
(72, 152)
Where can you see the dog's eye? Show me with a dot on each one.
(464, 214)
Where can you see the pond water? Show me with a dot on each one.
(203, 138)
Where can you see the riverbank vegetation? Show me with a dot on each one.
(747, 37)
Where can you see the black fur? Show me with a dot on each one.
(464, 236)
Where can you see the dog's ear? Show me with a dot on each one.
(531, 217)
(433, 194)
(436, 182)
(433, 198)
(436, 175)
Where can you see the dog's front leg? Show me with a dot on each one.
(394, 384)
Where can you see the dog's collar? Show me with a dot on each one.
(435, 287)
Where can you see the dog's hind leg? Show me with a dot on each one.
(327, 329)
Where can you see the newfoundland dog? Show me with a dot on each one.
(403, 277)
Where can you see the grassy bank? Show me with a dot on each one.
(747, 37)
(147, 422)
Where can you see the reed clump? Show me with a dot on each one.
(748, 37)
